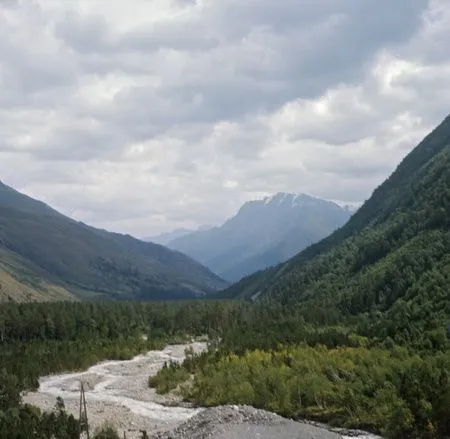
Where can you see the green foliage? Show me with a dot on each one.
(264, 354)
(9, 395)
(55, 337)
(169, 377)
(106, 432)
(18, 421)
(391, 391)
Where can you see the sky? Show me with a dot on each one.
(143, 116)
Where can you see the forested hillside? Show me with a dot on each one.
(392, 259)
(44, 254)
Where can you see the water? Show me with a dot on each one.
(117, 391)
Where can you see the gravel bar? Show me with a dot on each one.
(244, 422)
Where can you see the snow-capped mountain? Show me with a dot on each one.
(263, 233)
(351, 206)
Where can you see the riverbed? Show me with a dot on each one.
(117, 393)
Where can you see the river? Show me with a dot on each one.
(117, 392)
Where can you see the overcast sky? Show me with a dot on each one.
(142, 116)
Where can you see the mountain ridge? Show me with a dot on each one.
(392, 257)
(90, 262)
(262, 233)
(166, 237)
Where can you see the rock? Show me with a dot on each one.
(244, 422)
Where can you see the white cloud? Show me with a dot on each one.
(149, 116)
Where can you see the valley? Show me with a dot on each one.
(352, 332)
(224, 219)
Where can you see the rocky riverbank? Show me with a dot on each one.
(244, 422)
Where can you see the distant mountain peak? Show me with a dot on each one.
(350, 206)
(278, 197)
(291, 199)
(263, 232)
(302, 199)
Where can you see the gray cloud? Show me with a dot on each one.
(160, 116)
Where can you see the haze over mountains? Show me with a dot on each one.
(263, 233)
(168, 237)
(45, 255)
(385, 247)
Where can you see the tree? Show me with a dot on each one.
(106, 432)
(9, 391)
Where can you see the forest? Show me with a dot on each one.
(268, 355)
(42, 338)
(395, 392)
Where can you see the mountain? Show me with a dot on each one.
(392, 259)
(263, 233)
(168, 237)
(350, 207)
(44, 254)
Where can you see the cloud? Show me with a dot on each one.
(172, 113)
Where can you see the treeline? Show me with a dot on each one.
(54, 337)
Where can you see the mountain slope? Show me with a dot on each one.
(263, 233)
(22, 281)
(393, 256)
(166, 238)
(88, 261)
